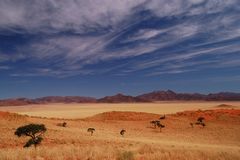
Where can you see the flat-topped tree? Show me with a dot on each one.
(34, 131)
(91, 130)
(160, 126)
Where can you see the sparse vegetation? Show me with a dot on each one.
(162, 117)
(34, 131)
(200, 121)
(191, 124)
(64, 124)
(158, 124)
(91, 130)
(122, 132)
(178, 142)
(155, 123)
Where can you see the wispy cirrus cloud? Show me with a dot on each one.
(5, 67)
(83, 16)
(70, 37)
(53, 16)
(189, 58)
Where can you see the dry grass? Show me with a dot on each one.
(219, 140)
(96, 152)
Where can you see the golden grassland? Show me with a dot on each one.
(220, 139)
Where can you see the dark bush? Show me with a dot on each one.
(34, 131)
(91, 130)
(122, 132)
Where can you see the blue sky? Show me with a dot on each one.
(98, 48)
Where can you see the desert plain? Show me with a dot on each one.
(219, 139)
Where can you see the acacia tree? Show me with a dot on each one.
(160, 126)
(91, 130)
(34, 131)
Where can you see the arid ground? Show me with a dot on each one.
(219, 139)
(82, 110)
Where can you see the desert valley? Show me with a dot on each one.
(219, 138)
(119, 80)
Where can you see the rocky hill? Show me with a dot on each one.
(171, 95)
(119, 98)
(44, 100)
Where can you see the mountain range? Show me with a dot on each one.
(120, 98)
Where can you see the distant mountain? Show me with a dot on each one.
(120, 98)
(16, 102)
(49, 99)
(65, 99)
(159, 95)
(170, 95)
(228, 96)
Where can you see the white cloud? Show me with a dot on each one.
(5, 67)
(146, 34)
(81, 15)
(70, 54)
(75, 52)
(61, 15)
(184, 57)
(185, 30)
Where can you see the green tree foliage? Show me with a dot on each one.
(91, 130)
(34, 131)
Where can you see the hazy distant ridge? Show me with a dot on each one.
(120, 98)
(171, 95)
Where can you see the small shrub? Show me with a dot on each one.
(64, 124)
(122, 132)
(91, 130)
(154, 123)
(200, 119)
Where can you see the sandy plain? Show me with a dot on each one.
(220, 139)
(82, 110)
